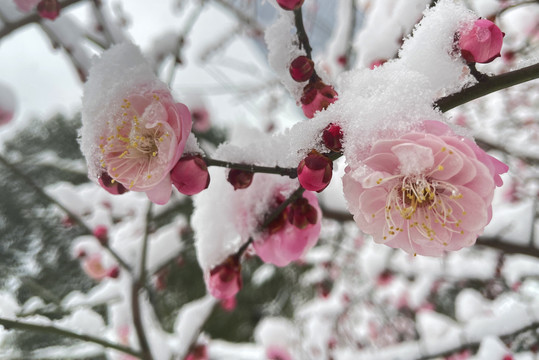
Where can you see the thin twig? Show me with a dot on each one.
(290, 172)
(487, 86)
(74, 217)
(137, 285)
(49, 329)
(302, 34)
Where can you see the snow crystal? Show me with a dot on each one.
(112, 77)
(438, 332)
(190, 320)
(224, 219)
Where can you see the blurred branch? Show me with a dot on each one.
(241, 16)
(489, 85)
(98, 12)
(138, 284)
(34, 17)
(74, 217)
(487, 145)
(508, 7)
(49, 329)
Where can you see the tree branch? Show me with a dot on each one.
(488, 85)
(302, 34)
(290, 172)
(49, 329)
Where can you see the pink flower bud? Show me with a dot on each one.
(317, 96)
(301, 214)
(290, 4)
(49, 9)
(315, 171)
(113, 272)
(240, 179)
(112, 186)
(301, 69)
(229, 304)
(482, 42)
(190, 175)
(225, 280)
(201, 119)
(332, 137)
(102, 234)
(275, 352)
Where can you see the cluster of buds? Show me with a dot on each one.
(47, 9)
(190, 175)
(224, 280)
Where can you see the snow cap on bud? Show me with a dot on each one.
(49, 9)
(332, 137)
(112, 186)
(190, 175)
(240, 179)
(317, 96)
(482, 42)
(225, 280)
(102, 234)
(315, 171)
(301, 69)
(290, 4)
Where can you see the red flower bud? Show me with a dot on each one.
(112, 186)
(290, 4)
(113, 272)
(332, 137)
(317, 96)
(240, 179)
(48, 9)
(102, 234)
(301, 213)
(225, 279)
(301, 69)
(481, 43)
(315, 171)
(190, 175)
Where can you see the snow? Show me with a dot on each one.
(190, 320)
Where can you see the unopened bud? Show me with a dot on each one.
(315, 171)
(190, 175)
(240, 179)
(290, 4)
(301, 213)
(301, 69)
(482, 42)
(102, 234)
(317, 96)
(48, 9)
(113, 272)
(225, 279)
(332, 137)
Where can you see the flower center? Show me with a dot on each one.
(427, 206)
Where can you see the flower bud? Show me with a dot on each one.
(290, 4)
(225, 279)
(190, 175)
(240, 179)
(317, 96)
(481, 43)
(112, 186)
(301, 213)
(315, 171)
(199, 352)
(332, 137)
(49, 9)
(301, 69)
(101, 233)
(113, 272)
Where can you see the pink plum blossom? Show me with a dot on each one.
(482, 42)
(315, 171)
(224, 280)
(145, 141)
(26, 5)
(94, 268)
(317, 96)
(292, 234)
(425, 192)
(190, 175)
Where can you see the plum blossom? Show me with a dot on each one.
(133, 130)
(292, 234)
(26, 5)
(317, 96)
(482, 42)
(425, 192)
(224, 281)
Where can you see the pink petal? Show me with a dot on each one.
(160, 193)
